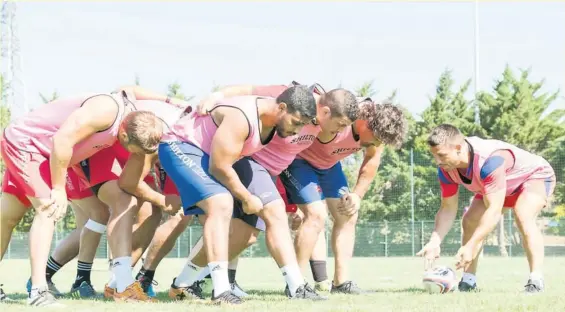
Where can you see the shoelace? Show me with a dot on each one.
(531, 286)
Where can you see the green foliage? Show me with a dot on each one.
(174, 91)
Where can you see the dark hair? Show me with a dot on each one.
(299, 99)
(341, 103)
(443, 134)
(386, 121)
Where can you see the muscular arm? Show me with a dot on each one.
(226, 148)
(368, 169)
(96, 114)
(145, 94)
(239, 90)
(448, 208)
(493, 175)
(131, 180)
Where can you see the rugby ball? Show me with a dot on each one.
(439, 280)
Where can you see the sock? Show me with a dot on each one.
(52, 268)
(536, 276)
(469, 278)
(204, 273)
(231, 276)
(219, 274)
(121, 268)
(188, 275)
(293, 277)
(83, 273)
(319, 271)
(232, 265)
(147, 274)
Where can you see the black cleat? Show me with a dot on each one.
(533, 286)
(193, 291)
(348, 287)
(3, 297)
(227, 297)
(304, 292)
(466, 287)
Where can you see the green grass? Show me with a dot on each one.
(396, 283)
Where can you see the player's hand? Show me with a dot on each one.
(205, 105)
(295, 220)
(464, 257)
(350, 204)
(430, 252)
(57, 205)
(172, 205)
(252, 205)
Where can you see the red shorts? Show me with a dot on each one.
(106, 165)
(28, 175)
(289, 207)
(534, 186)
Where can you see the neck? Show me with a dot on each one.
(466, 160)
(267, 109)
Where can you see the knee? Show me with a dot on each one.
(314, 215)
(468, 223)
(101, 215)
(274, 213)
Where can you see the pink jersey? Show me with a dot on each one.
(34, 132)
(527, 166)
(167, 112)
(200, 130)
(280, 152)
(326, 155)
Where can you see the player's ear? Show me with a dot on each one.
(282, 107)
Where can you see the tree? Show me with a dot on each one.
(48, 99)
(174, 92)
(5, 115)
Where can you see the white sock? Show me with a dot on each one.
(232, 265)
(112, 282)
(536, 276)
(293, 277)
(219, 274)
(469, 278)
(203, 273)
(188, 275)
(121, 267)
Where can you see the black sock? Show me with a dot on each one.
(231, 275)
(208, 276)
(52, 268)
(148, 274)
(319, 271)
(83, 273)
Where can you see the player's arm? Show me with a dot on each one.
(96, 114)
(145, 94)
(368, 169)
(226, 148)
(448, 208)
(493, 175)
(131, 181)
(239, 90)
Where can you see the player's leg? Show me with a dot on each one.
(334, 185)
(187, 166)
(533, 198)
(318, 264)
(303, 188)
(469, 223)
(147, 221)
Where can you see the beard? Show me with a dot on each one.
(280, 132)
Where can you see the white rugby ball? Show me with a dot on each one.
(439, 280)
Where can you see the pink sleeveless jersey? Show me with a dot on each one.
(527, 166)
(34, 132)
(326, 155)
(200, 130)
(280, 152)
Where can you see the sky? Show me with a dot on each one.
(81, 47)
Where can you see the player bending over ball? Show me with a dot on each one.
(501, 176)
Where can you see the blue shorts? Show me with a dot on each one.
(187, 166)
(305, 184)
(259, 183)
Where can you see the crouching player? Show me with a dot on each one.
(502, 176)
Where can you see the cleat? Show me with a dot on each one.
(3, 297)
(108, 292)
(348, 287)
(84, 290)
(43, 298)
(133, 293)
(147, 285)
(50, 285)
(193, 292)
(533, 287)
(236, 290)
(304, 292)
(227, 297)
(323, 286)
(466, 287)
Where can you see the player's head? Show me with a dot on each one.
(296, 108)
(447, 145)
(338, 109)
(140, 132)
(381, 124)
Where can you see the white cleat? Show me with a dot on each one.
(236, 290)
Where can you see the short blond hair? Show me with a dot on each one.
(144, 129)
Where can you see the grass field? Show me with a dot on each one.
(395, 282)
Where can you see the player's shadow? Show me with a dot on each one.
(413, 290)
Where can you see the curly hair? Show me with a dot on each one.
(386, 121)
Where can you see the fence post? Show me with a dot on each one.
(412, 198)
(189, 239)
(178, 246)
(510, 232)
(9, 251)
(422, 234)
